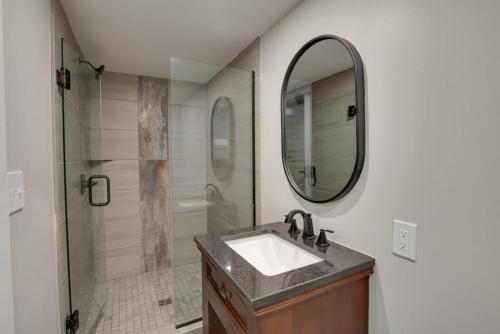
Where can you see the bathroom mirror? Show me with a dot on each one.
(221, 125)
(323, 119)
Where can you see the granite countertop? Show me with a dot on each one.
(259, 290)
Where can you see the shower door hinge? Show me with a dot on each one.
(72, 322)
(63, 78)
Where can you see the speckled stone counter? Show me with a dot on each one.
(259, 290)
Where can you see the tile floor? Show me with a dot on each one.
(133, 302)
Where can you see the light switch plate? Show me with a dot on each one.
(404, 239)
(15, 181)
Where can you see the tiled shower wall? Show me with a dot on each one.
(133, 148)
(188, 157)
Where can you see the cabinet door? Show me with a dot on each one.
(214, 323)
(219, 317)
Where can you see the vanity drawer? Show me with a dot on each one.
(225, 293)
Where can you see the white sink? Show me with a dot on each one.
(271, 255)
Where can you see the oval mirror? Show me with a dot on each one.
(221, 126)
(323, 119)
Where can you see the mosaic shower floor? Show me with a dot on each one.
(149, 302)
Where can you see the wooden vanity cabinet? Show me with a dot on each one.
(340, 307)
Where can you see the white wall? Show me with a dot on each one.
(6, 298)
(432, 80)
(29, 147)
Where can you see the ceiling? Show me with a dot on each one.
(140, 36)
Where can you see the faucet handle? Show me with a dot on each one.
(322, 240)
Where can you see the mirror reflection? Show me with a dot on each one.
(221, 137)
(320, 121)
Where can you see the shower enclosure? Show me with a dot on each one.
(211, 143)
(188, 169)
(85, 188)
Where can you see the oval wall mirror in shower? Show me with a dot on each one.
(323, 119)
(222, 133)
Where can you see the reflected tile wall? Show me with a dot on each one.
(334, 149)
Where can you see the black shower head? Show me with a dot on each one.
(99, 70)
(299, 99)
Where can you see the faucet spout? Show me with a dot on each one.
(308, 231)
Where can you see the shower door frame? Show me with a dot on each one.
(63, 83)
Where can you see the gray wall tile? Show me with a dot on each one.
(123, 262)
(188, 198)
(119, 86)
(123, 233)
(188, 172)
(118, 115)
(115, 145)
(124, 174)
(124, 204)
(185, 251)
(187, 225)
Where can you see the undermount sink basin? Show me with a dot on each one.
(272, 255)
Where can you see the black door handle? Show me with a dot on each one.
(92, 183)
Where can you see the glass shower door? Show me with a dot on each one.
(85, 188)
(212, 173)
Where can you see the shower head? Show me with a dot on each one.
(299, 99)
(99, 70)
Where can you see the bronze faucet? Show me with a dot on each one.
(308, 231)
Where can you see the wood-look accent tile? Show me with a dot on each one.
(153, 118)
(154, 201)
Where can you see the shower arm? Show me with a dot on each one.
(99, 70)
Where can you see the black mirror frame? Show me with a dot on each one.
(360, 116)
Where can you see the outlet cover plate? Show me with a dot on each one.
(404, 239)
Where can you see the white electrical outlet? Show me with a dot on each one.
(404, 239)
